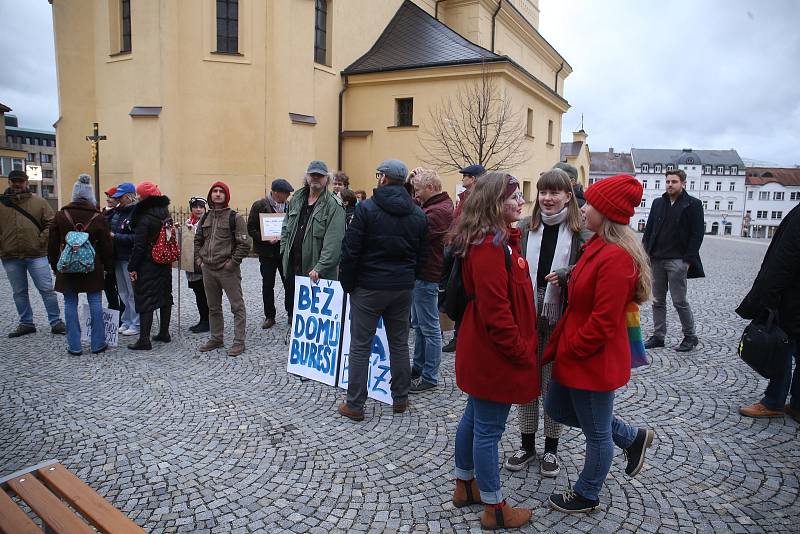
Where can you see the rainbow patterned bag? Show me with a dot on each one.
(633, 322)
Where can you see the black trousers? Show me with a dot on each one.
(200, 298)
(269, 266)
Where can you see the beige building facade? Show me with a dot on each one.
(191, 91)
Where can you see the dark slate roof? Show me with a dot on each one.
(680, 157)
(570, 149)
(779, 175)
(414, 39)
(4, 108)
(611, 163)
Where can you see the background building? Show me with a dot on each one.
(12, 157)
(772, 192)
(577, 154)
(249, 90)
(716, 177)
(40, 156)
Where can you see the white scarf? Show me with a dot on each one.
(551, 309)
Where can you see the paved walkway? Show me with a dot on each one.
(190, 442)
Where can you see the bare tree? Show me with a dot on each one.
(477, 124)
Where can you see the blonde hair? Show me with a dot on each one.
(482, 213)
(428, 177)
(557, 180)
(622, 236)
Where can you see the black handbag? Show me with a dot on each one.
(765, 346)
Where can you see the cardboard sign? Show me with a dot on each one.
(271, 225)
(110, 324)
(316, 331)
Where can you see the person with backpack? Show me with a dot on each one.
(123, 236)
(24, 222)
(551, 241)
(152, 280)
(80, 252)
(590, 348)
(220, 246)
(496, 348)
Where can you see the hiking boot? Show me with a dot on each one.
(570, 502)
(350, 413)
(550, 466)
(399, 407)
(236, 349)
(58, 328)
(211, 344)
(141, 345)
(759, 411)
(466, 493)
(22, 330)
(164, 338)
(496, 516)
(450, 347)
(520, 459)
(200, 327)
(419, 385)
(688, 343)
(794, 413)
(654, 342)
(268, 323)
(635, 453)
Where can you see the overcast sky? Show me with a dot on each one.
(705, 74)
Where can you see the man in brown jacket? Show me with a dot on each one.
(220, 245)
(24, 223)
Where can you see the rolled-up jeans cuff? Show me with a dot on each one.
(491, 497)
(464, 474)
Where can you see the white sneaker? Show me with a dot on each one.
(122, 329)
(130, 332)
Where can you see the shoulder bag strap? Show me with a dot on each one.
(7, 202)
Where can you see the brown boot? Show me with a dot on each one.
(497, 516)
(758, 410)
(211, 344)
(236, 349)
(466, 493)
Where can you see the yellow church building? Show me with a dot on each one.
(191, 91)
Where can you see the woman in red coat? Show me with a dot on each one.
(496, 347)
(590, 345)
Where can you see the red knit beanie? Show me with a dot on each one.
(148, 189)
(615, 197)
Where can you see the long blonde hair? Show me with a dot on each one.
(622, 236)
(557, 180)
(482, 213)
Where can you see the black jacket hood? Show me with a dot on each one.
(148, 204)
(393, 199)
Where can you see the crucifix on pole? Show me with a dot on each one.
(95, 139)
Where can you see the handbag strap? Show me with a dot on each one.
(7, 203)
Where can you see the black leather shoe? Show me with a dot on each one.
(141, 345)
(22, 330)
(450, 347)
(687, 344)
(164, 338)
(654, 343)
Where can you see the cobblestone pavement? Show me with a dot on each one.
(189, 442)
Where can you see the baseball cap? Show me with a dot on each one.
(125, 188)
(317, 167)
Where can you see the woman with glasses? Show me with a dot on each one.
(194, 278)
(496, 347)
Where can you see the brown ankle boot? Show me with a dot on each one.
(503, 516)
(466, 493)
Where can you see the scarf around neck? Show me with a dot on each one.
(551, 308)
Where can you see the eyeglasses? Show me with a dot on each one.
(378, 175)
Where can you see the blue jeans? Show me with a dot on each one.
(98, 336)
(130, 319)
(478, 434)
(592, 412)
(779, 388)
(428, 333)
(17, 270)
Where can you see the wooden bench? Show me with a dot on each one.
(62, 501)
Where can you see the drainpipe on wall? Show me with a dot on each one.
(557, 73)
(494, 23)
(436, 9)
(341, 121)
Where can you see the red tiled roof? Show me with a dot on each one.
(766, 175)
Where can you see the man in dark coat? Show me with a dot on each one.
(672, 238)
(123, 237)
(152, 282)
(383, 252)
(269, 251)
(777, 288)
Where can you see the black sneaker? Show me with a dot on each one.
(58, 328)
(450, 347)
(654, 343)
(520, 459)
(570, 502)
(688, 343)
(419, 385)
(550, 466)
(415, 374)
(22, 330)
(635, 453)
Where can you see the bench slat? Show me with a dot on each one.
(83, 498)
(13, 520)
(53, 512)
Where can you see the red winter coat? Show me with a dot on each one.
(496, 347)
(590, 344)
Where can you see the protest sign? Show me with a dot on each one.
(110, 324)
(271, 225)
(379, 372)
(316, 330)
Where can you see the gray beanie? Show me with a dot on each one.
(82, 190)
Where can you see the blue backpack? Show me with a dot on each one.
(77, 253)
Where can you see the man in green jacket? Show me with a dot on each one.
(24, 229)
(312, 233)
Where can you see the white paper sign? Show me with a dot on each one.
(380, 375)
(110, 324)
(316, 331)
(271, 225)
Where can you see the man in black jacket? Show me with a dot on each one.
(269, 251)
(384, 250)
(672, 238)
(777, 288)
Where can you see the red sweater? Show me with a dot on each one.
(590, 344)
(496, 347)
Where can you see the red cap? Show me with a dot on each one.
(111, 191)
(615, 197)
(148, 189)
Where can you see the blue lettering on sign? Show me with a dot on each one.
(309, 299)
(384, 370)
